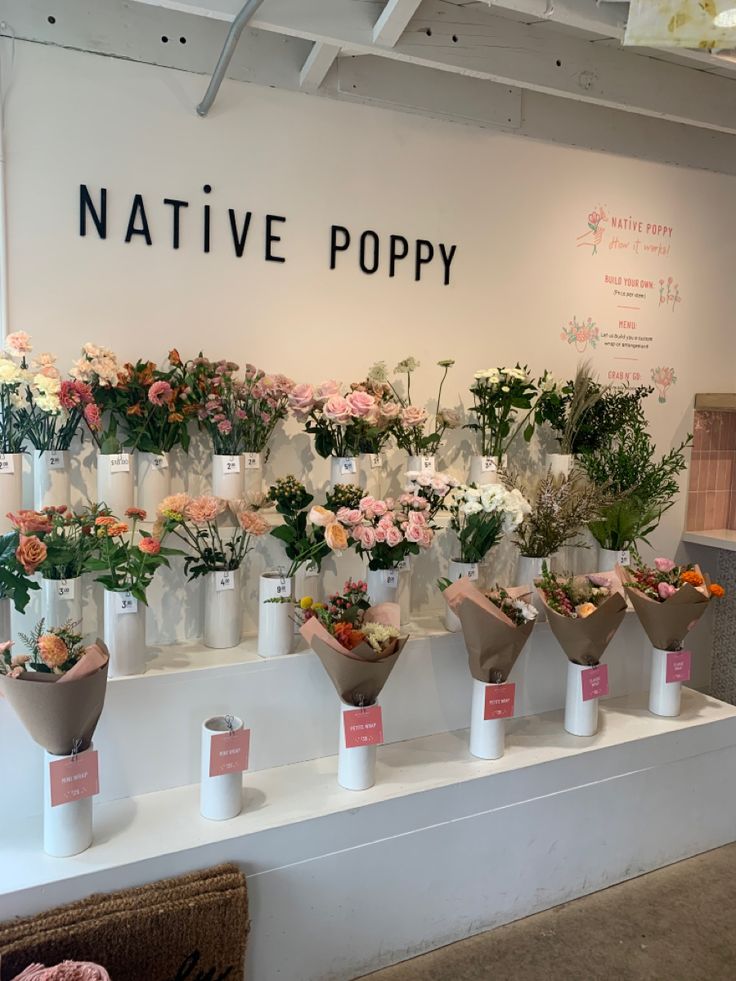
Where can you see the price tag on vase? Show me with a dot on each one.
(7, 463)
(224, 581)
(390, 578)
(428, 464)
(66, 589)
(231, 464)
(594, 682)
(363, 726)
(376, 461)
(499, 701)
(311, 570)
(252, 461)
(120, 463)
(229, 752)
(55, 460)
(283, 589)
(348, 465)
(126, 603)
(624, 557)
(678, 668)
(159, 462)
(488, 464)
(74, 778)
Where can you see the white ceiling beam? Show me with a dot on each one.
(318, 62)
(393, 21)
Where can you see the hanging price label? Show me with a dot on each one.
(74, 778)
(66, 589)
(229, 752)
(348, 464)
(252, 461)
(470, 573)
(7, 463)
(283, 588)
(160, 462)
(231, 464)
(224, 581)
(55, 460)
(488, 464)
(499, 701)
(678, 666)
(624, 557)
(126, 603)
(390, 578)
(120, 463)
(363, 727)
(311, 569)
(428, 464)
(595, 682)
(376, 461)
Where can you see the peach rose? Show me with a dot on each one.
(390, 410)
(31, 552)
(413, 417)
(320, 516)
(53, 650)
(336, 537)
(203, 510)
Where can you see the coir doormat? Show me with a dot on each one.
(193, 928)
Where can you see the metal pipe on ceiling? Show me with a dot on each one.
(228, 50)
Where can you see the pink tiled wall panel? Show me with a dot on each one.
(712, 495)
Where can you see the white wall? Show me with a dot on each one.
(513, 207)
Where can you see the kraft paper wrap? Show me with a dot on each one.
(492, 640)
(666, 624)
(56, 710)
(585, 639)
(358, 675)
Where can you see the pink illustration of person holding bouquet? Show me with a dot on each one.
(594, 236)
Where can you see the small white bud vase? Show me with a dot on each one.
(5, 621)
(11, 487)
(227, 476)
(223, 611)
(62, 602)
(421, 464)
(220, 797)
(67, 828)
(51, 478)
(487, 736)
(383, 586)
(560, 464)
(154, 481)
(664, 696)
(252, 475)
(484, 469)
(581, 717)
(356, 767)
(124, 634)
(344, 470)
(115, 481)
(609, 558)
(459, 570)
(275, 619)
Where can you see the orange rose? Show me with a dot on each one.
(31, 552)
(336, 537)
(717, 590)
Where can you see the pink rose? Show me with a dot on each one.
(366, 536)
(390, 410)
(664, 565)
(349, 517)
(427, 536)
(379, 508)
(414, 533)
(337, 409)
(301, 399)
(326, 391)
(413, 417)
(380, 533)
(361, 404)
(394, 536)
(665, 590)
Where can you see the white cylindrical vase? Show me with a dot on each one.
(115, 482)
(5, 619)
(252, 476)
(11, 487)
(487, 736)
(560, 464)
(529, 569)
(67, 828)
(372, 467)
(275, 615)
(227, 476)
(403, 595)
(484, 469)
(124, 634)
(581, 717)
(421, 464)
(356, 767)
(383, 586)
(220, 797)
(62, 602)
(609, 558)
(51, 478)
(459, 570)
(664, 696)
(344, 470)
(154, 481)
(223, 611)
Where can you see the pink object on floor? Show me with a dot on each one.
(67, 971)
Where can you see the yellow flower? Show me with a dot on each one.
(305, 602)
(318, 606)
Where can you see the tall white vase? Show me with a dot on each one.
(421, 464)
(62, 602)
(383, 586)
(223, 611)
(459, 570)
(124, 634)
(5, 619)
(67, 828)
(220, 797)
(275, 620)
(529, 569)
(154, 481)
(115, 481)
(372, 468)
(581, 717)
(664, 696)
(560, 464)
(11, 487)
(356, 767)
(252, 475)
(227, 476)
(484, 469)
(51, 478)
(609, 558)
(344, 470)
(487, 736)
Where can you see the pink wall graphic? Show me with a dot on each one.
(583, 335)
(594, 236)
(663, 378)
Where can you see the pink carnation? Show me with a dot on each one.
(665, 590)
(92, 417)
(74, 393)
(19, 342)
(202, 510)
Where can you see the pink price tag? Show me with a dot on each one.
(229, 752)
(499, 702)
(595, 682)
(74, 778)
(678, 666)
(363, 727)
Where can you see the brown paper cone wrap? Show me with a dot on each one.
(492, 640)
(358, 675)
(56, 714)
(585, 639)
(667, 623)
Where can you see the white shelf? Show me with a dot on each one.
(716, 538)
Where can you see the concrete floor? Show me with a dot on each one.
(676, 924)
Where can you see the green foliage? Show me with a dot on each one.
(14, 583)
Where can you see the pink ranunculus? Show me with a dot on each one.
(413, 417)
(301, 399)
(327, 390)
(361, 404)
(665, 590)
(150, 546)
(390, 410)
(19, 342)
(160, 393)
(664, 565)
(337, 409)
(394, 536)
